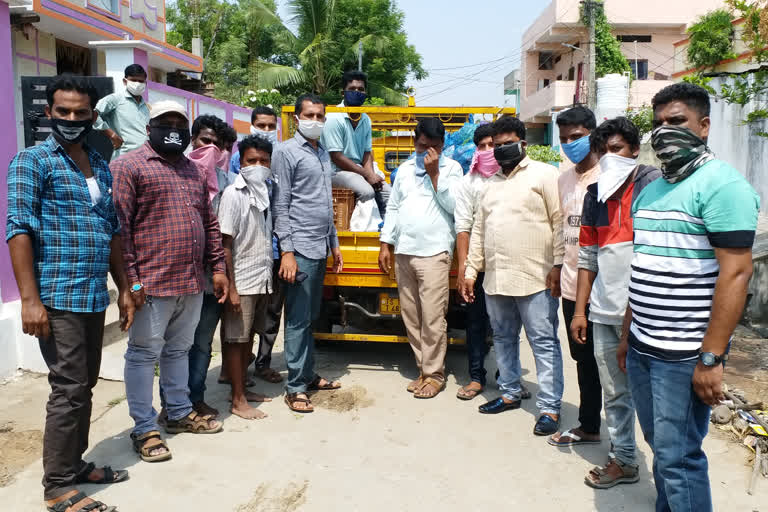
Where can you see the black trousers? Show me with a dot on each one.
(73, 356)
(272, 324)
(591, 394)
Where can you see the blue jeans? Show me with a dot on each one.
(200, 352)
(538, 314)
(674, 423)
(162, 331)
(477, 332)
(302, 307)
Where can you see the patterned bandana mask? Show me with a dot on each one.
(680, 150)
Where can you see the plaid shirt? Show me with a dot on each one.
(169, 230)
(48, 200)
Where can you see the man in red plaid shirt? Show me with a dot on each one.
(169, 233)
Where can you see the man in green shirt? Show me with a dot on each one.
(124, 115)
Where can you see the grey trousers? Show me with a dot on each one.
(362, 189)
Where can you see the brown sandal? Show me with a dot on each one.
(629, 475)
(144, 444)
(193, 423)
(414, 385)
(268, 374)
(429, 388)
(468, 394)
(293, 398)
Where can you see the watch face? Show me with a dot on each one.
(708, 358)
(136, 287)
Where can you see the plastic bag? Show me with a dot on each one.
(366, 217)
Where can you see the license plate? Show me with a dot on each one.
(389, 305)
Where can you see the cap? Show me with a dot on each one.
(165, 107)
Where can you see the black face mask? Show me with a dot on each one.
(71, 132)
(509, 155)
(168, 140)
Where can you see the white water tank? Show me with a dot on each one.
(612, 97)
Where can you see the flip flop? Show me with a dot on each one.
(467, 394)
(573, 439)
(331, 385)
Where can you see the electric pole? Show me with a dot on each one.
(589, 7)
(359, 55)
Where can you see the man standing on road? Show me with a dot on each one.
(303, 213)
(63, 237)
(347, 137)
(124, 115)
(169, 233)
(469, 193)
(693, 236)
(575, 125)
(263, 124)
(419, 230)
(517, 238)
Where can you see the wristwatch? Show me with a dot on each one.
(136, 288)
(709, 359)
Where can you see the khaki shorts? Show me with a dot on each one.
(241, 327)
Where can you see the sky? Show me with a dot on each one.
(454, 37)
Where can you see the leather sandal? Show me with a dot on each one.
(144, 444)
(110, 476)
(434, 387)
(96, 506)
(292, 398)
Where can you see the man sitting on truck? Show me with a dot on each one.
(347, 138)
(419, 229)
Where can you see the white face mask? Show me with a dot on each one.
(135, 88)
(270, 136)
(311, 129)
(255, 177)
(614, 171)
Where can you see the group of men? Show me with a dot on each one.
(652, 266)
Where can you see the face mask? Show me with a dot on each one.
(354, 98)
(509, 155)
(255, 177)
(614, 171)
(680, 150)
(71, 132)
(577, 150)
(419, 157)
(311, 129)
(167, 140)
(484, 163)
(270, 136)
(223, 161)
(135, 88)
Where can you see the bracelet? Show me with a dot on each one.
(583, 316)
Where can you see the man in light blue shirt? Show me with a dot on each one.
(419, 229)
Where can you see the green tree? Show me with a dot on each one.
(711, 39)
(609, 58)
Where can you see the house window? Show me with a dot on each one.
(559, 77)
(545, 60)
(633, 38)
(106, 5)
(571, 73)
(639, 69)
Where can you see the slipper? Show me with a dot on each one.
(467, 394)
(292, 398)
(110, 476)
(328, 386)
(573, 439)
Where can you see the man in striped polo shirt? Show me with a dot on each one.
(692, 262)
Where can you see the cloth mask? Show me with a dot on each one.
(577, 150)
(71, 132)
(168, 140)
(614, 171)
(135, 88)
(420, 169)
(255, 177)
(484, 163)
(354, 98)
(223, 161)
(509, 155)
(269, 136)
(207, 158)
(680, 150)
(311, 129)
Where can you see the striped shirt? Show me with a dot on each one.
(674, 269)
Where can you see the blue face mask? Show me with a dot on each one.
(354, 98)
(420, 169)
(577, 150)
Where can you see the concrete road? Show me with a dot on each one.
(370, 447)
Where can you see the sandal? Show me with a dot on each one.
(429, 388)
(144, 444)
(268, 374)
(630, 475)
(193, 423)
(468, 394)
(328, 386)
(573, 439)
(110, 476)
(96, 506)
(292, 398)
(414, 385)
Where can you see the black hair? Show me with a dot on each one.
(68, 82)
(694, 96)
(616, 126)
(206, 121)
(577, 116)
(483, 131)
(135, 70)
(312, 98)
(509, 124)
(254, 142)
(262, 110)
(227, 135)
(350, 76)
(431, 128)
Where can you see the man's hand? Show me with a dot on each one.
(708, 383)
(139, 298)
(621, 354)
(338, 261)
(117, 141)
(467, 291)
(288, 267)
(432, 162)
(385, 258)
(553, 282)
(220, 287)
(374, 180)
(579, 329)
(460, 278)
(34, 319)
(233, 300)
(127, 308)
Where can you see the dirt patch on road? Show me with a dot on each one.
(19, 450)
(747, 367)
(343, 400)
(265, 499)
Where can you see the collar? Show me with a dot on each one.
(132, 97)
(522, 165)
(240, 182)
(54, 145)
(149, 153)
(303, 141)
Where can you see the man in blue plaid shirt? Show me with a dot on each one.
(63, 237)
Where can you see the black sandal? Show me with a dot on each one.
(96, 506)
(329, 386)
(110, 476)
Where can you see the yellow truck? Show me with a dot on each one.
(361, 303)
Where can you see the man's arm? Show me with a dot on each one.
(444, 184)
(107, 105)
(34, 317)
(281, 207)
(124, 193)
(389, 232)
(552, 203)
(476, 258)
(463, 215)
(125, 302)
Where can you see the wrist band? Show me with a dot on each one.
(584, 316)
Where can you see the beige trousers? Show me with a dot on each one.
(423, 286)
